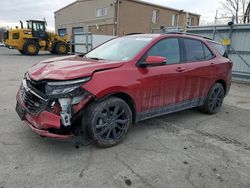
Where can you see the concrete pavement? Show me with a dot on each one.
(185, 149)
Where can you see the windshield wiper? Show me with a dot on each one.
(95, 58)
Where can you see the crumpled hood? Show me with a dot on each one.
(68, 68)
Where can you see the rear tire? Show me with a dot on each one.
(61, 48)
(214, 99)
(31, 47)
(108, 121)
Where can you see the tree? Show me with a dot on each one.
(247, 14)
(236, 8)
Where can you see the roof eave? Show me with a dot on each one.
(164, 7)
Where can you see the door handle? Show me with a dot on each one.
(180, 69)
(212, 64)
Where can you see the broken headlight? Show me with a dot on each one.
(62, 88)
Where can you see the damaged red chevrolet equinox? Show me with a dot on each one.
(121, 82)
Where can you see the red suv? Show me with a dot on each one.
(121, 82)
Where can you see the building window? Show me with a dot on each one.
(155, 16)
(100, 12)
(174, 19)
(191, 21)
(77, 30)
(62, 32)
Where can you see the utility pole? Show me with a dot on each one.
(215, 22)
(187, 22)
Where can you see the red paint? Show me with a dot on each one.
(68, 68)
(78, 107)
(156, 86)
(155, 59)
(44, 120)
(149, 87)
(48, 134)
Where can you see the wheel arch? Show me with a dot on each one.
(33, 39)
(224, 84)
(127, 98)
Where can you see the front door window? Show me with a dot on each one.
(168, 48)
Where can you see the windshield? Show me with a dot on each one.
(120, 49)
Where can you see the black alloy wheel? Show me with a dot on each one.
(108, 121)
(214, 99)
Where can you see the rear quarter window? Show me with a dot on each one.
(219, 48)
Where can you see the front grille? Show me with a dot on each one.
(37, 86)
(33, 101)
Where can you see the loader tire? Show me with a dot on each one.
(31, 47)
(61, 48)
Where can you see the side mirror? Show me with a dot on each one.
(154, 61)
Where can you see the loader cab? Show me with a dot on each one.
(38, 29)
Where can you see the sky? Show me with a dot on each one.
(11, 11)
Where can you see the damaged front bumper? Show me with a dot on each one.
(45, 124)
(49, 117)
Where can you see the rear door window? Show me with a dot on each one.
(207, 52)
(196, 50)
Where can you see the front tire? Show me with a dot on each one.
(108, 121)
(214, 99)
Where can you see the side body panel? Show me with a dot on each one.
(160, 90)
(222, 69)
(199, 79)
(150, 88)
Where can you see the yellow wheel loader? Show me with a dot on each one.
(35, 38)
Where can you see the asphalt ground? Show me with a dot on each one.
(184, 149)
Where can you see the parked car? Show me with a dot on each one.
(121, 82)
(2, 44)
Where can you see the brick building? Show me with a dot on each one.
(119, 17)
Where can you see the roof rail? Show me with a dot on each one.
(185, 33)
(133, 34)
